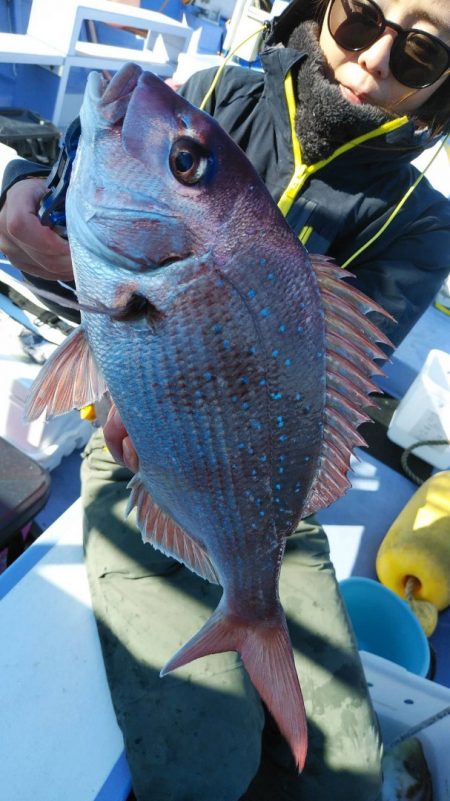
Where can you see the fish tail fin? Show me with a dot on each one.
(266, 652)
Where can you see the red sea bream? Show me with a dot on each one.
(239, 364)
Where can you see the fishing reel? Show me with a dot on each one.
(52, 209)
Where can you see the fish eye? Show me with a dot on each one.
(189, 161)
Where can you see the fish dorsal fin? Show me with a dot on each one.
(160, 530)
(350, 349)
(70, 379)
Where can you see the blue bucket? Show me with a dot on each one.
(385, 625)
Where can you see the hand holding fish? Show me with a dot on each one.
(30, 246)
(118, 441)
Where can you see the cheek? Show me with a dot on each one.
(335, 57)
(412, 99)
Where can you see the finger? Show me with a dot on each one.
(115, 432)
(130, 457)
(29, 245)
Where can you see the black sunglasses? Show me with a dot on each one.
(417, 58)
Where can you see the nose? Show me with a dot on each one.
(375, 59)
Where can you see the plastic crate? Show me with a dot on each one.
(29, 134)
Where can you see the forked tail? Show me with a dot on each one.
(266, 652)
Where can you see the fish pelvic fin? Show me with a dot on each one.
(266, 652)
(163, 533)
(350, 341)
(70, 379)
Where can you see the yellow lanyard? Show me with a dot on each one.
(303, 171)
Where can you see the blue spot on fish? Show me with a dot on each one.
(270, 277)
(300, 329)
(262, 382)
(276, 395)
(263, 457)
(264, 312)
(226, 343)
(282, 438)
(298, 396)
(275, 354)
(217, 329)
(287, 362)
(251, 293)
(244, 379)
(207, 376)
(282, 328)
(280, 422)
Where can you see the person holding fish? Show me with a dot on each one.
(239, 367)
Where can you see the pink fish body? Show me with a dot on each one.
(238, 364)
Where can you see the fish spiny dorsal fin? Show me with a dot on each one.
(70, 379)
(350, 339)
(163, 533)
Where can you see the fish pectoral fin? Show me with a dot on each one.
(70, 379)
(163, 533)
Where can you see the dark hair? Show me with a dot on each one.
(435, 112)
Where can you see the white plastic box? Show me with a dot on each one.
(424, 411)
(403, 702)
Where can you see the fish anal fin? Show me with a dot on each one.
(70, 379)
(163, 533)
(350, 344)
(266, 652)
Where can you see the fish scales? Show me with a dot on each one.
(210, 325)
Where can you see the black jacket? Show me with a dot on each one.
(345, 202)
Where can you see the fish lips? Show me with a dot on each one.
(113, 97)
(134, 98)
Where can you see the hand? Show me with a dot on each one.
(30, 246)
(118, 441)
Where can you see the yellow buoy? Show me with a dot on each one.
(415, 552)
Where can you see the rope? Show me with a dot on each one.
(420, 727)
(406, 453)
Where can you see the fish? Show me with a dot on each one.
(240, 365)
(406, 776)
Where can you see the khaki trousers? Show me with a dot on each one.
(201, 733)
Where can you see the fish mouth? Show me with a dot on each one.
(112, 97)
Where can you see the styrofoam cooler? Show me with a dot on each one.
(424, 411)
(45, 441)
(403, 702)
